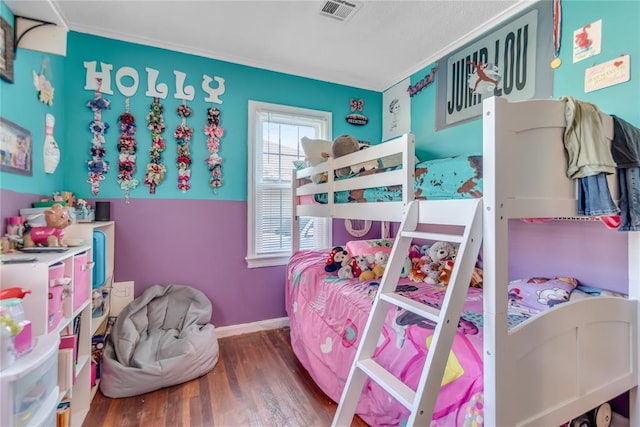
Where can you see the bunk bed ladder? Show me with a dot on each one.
(423, 220)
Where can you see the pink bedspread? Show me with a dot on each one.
(327, 316)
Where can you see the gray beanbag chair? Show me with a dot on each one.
(162, 338)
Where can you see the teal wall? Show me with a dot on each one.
(241, 83)
(620, 35)
(19, 103)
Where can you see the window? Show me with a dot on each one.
(274, 143)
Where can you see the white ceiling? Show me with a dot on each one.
(378, 45)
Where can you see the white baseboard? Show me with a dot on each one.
(245, 328)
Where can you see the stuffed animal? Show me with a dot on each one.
(359, 265)
(343, 145)
(57, 219)
(336, 259)
(345, 272)
(406, 267)
(441, 251)
(380, 261)
(445, 273)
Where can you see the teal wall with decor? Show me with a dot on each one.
(199, 238)
(620, 35)
(241, 85)
(19, 104)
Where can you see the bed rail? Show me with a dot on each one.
(380, 211)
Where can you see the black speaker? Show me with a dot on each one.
(103, 211)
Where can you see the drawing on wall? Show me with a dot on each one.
(587, 41)
(396, 111)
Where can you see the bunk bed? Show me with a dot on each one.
(542, 370)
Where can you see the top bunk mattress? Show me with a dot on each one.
(457, 177)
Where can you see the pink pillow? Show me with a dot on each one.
(369, 247)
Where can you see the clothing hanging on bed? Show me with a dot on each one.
(589, 157)
(625, 149)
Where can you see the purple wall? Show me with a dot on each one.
(586, 250)
(202, 243)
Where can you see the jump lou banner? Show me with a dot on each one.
(512, 61)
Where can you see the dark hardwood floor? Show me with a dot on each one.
(257, 382)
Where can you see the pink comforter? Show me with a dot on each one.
(327, 316)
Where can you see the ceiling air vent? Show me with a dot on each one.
(338, 9)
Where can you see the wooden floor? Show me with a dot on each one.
(257, 382)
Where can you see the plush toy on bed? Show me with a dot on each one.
(441, 251)
(380, 263)
(338, 257)
(343, 145)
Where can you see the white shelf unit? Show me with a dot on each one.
(84, 231)
(36, 277)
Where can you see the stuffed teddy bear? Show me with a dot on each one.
(343, 145)
(57, 219)
(441, 251)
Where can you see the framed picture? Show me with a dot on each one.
(15, 148)
(6, 50)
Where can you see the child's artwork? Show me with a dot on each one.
(396, 111)
(587, 41)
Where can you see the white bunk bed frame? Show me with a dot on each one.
(564, 361)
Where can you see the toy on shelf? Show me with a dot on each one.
(57, 219)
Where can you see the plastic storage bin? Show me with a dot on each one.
(29, 388)
(81, 272)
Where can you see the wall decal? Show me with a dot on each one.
(355, 118)
(183, 91)
(425, 82)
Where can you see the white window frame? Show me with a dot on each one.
(256, 108)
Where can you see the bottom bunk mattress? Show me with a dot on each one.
(327, 316)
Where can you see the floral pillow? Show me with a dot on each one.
(536, 294)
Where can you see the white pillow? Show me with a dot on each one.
(313, 149)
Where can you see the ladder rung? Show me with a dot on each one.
(402, 392)
(416, 307)
(452, 238)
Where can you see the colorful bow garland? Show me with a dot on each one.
(155, 169)
(127, 148)
(214, 132)
(97, 166)
(183, 135)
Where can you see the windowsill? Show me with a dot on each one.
(267, 261)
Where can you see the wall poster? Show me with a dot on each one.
(512, 61)
(396, 110)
